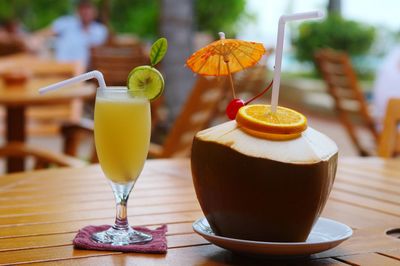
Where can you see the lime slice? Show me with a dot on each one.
(145, 81)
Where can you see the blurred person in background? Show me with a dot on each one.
(77, 34)
(387, 83)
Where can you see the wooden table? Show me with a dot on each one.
(17, 98)
(40, 213)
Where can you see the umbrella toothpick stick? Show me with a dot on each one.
(226, 60)
(231, 80)
(279, 48)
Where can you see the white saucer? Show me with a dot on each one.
(325, 235)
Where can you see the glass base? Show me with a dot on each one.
(118, 237)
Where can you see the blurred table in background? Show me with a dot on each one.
(16, 98)
(14, 69)
(365, 196)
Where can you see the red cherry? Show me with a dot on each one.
(233, 107)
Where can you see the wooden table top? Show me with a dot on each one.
(40, 213)
(27, 94)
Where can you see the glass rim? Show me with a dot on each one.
(118, 90)
(113, 88)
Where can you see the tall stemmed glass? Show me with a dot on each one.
(122, 137)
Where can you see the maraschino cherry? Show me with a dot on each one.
(233, 107)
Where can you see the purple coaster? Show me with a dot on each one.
(83, 240)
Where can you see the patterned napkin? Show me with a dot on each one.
(83, 240)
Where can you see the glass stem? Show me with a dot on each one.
(121, 193)
(121, 219)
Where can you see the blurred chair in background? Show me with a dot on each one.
(42, 158)
(195, 115)
(389, 142)
(350, 104)
(252, 80)
(74, 133)
(248, 83)
(115, 61)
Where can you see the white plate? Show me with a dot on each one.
(325, 235)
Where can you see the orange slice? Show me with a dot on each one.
(260, 121)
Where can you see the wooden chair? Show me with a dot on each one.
(196, 114)
(248, 83)
(389, 142)
(252, 80)
(116, 61)
(340, 77)
(73, 134)
(43, 158)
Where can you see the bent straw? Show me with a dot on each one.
(279, 48)
(86, 76)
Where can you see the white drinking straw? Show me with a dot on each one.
(86, 76)
(279, 48)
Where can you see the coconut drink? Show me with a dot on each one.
(260, 185)
(266, 175)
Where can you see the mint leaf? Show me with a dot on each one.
(158, 51)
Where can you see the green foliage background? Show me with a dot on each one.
(139, 17)
(334, 32)
(34, 14)
(213, 16)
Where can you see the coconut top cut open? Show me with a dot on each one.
(311, 147)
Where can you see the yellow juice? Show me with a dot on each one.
(122, 135)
